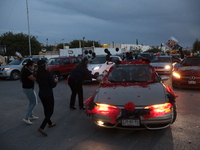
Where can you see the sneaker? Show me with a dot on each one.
(27, 121)
(33, 118)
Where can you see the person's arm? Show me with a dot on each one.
(52, 81)
(31, 77)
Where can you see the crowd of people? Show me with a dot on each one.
(32, 73)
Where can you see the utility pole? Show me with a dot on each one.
(29, 39)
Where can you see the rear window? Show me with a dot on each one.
(161, 59)
(191, 62)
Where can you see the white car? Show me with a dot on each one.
(162, 64)
(99, 65)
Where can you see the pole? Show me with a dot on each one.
(29, 40)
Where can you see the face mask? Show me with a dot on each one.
(33, 68)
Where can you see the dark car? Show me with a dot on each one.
(187, 73)
(62, 66)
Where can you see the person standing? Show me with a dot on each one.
(27, 79)
(46, 83)
(75, 81)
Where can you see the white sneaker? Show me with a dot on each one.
(27, 121)
(33, 118)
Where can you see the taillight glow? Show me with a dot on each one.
(176, 75)
(158, 110)
(104, 109)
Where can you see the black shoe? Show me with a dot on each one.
(72, 107)
(83, 107)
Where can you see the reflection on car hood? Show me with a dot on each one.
(160, 64)
(140, 96)
(189, 68)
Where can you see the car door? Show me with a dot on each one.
(65, 66)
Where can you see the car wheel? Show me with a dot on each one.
(14, 75)
(174, 115)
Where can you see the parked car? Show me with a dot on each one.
(187, 73)
(99, 65)
(127, 100)
(13, 69)
(162, 64)
(62, 66)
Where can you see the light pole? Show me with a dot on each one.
(29, 40)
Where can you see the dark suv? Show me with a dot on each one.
(187, 73)
(62, 66)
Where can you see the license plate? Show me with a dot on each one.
(130, 122)
(191, 82)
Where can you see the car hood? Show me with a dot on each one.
(141, 96)
(189, 70)
(160, 64)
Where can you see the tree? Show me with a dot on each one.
(19, 43)
(196, 46)
(154, 49)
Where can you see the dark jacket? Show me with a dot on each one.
(80, 72)
(46, 86)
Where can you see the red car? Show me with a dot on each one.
(187, 73)
(62, 66)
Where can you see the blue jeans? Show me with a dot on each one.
(31, 95)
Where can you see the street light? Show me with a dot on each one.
(29, 40)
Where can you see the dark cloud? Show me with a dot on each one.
(121, 21)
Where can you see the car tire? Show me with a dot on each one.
(174, 113)
(14, 75)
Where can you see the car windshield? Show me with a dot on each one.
(161, 59)
(130, 73)
(15, 62)
(98, 60)
(191, 62)
(54, 61)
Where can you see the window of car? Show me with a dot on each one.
(130, 73)
(191, 62)
(161, 59)
(74, 61)
(16, 62)
(114, 59)
(54, 61)
(66, 61)
(98, 60)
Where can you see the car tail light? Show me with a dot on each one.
(158, 110)
(176, 75)
(104, 109)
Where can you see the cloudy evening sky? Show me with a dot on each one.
(152, 22)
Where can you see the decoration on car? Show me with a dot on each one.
(105, 83)
(129, 106)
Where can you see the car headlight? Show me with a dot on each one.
(6, 69)
(96, 68)
(104, 109)
(167, 67)
(176, 75)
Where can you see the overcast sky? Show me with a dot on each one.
(152, 22)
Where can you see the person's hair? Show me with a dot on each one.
(29, 63)
(40, 74)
